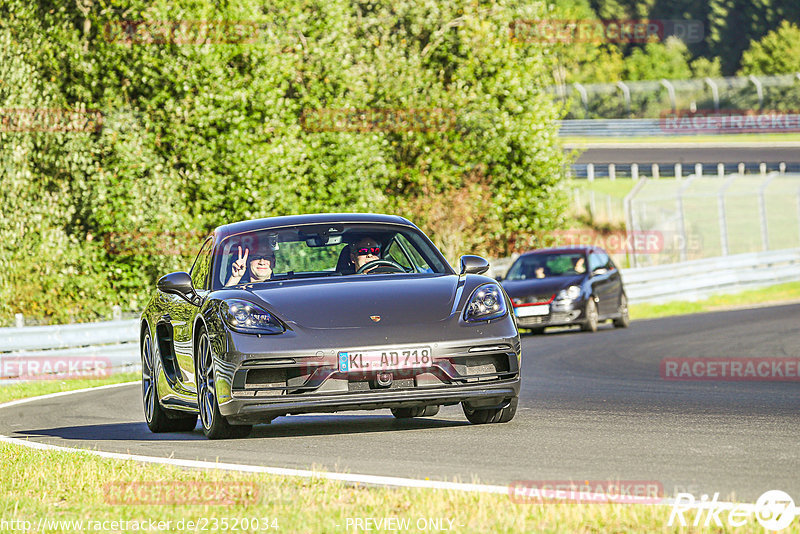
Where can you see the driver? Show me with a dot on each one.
(364, 251)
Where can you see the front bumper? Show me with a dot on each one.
(559, 314)
(257, 387)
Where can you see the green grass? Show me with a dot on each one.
(780, 293)
(616, 188)
(34, 388)
(59, 486)
(687, 139)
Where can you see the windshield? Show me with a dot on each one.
(539, 266)
(324, 250)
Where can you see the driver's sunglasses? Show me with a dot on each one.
(263, 257)
(375, 251)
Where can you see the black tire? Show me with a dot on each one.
(592, 318)
(624, 319)
(491, 415)
(407, 413)
(536, 331)
(214, 424)
(158, 418)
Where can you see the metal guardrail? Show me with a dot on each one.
(108, 345)
(696, 279)
(660, 127)
(116, 342)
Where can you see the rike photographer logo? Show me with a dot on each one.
(774, 510)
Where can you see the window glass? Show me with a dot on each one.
(598, 260)
(202, 264)
(545, 265)
(307, 251)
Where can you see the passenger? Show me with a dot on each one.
(580, 265)
(539, 272)
(261, 264)
(364, 251)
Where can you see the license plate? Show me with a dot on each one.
(529, 311)
(379, 360)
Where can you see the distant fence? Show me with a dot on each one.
(591, 171)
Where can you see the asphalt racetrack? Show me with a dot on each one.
(593, 407)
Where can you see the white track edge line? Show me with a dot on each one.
(376, 480)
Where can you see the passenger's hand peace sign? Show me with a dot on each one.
(239, 266)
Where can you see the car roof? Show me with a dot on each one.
(316, 218)
(564, 250)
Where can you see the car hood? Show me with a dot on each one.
(542, 287)
(351, 302)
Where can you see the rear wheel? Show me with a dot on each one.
(407, 413)
(491, 415)
(590, 324)
(159, 419)
(623, 320)
(215, 426)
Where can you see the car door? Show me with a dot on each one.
(614, 286)
(598, 270)
(183, 313)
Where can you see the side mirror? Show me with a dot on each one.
(473, 265)
(178, 283)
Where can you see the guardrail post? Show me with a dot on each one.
(678, 171)
(612, 171)
(590, 172)
(741, 168)
(721, 170)
(762, 169)
(654, 170)
(19, 320)
(634, 171)
(116, 313)
(698, 169)
(782, 167)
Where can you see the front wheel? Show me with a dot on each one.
(590, 324)
(159, 419)
(215, 426)
(491, 415)
(624, 319)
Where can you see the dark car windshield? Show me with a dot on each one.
(533, 266)
(322, 250)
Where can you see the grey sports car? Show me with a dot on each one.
(324, 313)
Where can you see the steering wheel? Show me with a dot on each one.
(380, 267)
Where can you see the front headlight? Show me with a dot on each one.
(249, 318)
(571, 293)
(487, 302)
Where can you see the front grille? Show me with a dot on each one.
(532, 320)
(265, 378)
(480, 365)
(363, 385)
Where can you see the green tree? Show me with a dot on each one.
(776, 53)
